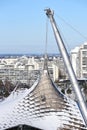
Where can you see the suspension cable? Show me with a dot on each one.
(46, 36)
(73, 28)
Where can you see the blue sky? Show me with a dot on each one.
(23, 25)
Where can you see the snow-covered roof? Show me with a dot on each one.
(41, 106)
(75, 50)
(85, 43)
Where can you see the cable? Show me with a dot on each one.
(72, 27)
(46, 36)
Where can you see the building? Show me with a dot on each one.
(55, 72)
(74, 57)
(79, 60)
(83, 60)
(18, 69)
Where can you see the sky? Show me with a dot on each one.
(23, 25)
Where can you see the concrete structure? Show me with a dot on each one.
(79, 60)
(55, 72)
(74, 58)
(15, 68)
(83, 60)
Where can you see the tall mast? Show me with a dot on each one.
(45, 56)
(67, 62)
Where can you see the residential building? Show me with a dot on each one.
(79, 60)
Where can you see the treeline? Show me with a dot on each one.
(67, 89)
(6, 88)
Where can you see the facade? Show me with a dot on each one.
(21, 68)
(18, 69)
(74, 58)
(55, 72)
(79, 60)
(83, 61)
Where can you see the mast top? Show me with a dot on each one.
(49, 12)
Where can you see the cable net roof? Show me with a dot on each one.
(41, 106)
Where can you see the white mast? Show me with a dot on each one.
(71, 73)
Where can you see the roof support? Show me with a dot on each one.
(67, 62)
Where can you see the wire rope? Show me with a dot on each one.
(73, 28)
(46, 42)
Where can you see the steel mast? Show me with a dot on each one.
(67, 62)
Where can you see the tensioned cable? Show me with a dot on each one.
(63, 37)
(72, 27)
(46, 36)
(45, 54)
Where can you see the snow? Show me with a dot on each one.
(19, 108)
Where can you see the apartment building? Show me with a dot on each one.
(79, 60)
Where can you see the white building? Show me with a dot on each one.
(79, 60)
(55, 72)
(74, 58)
(83, 60)
(18, 69)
